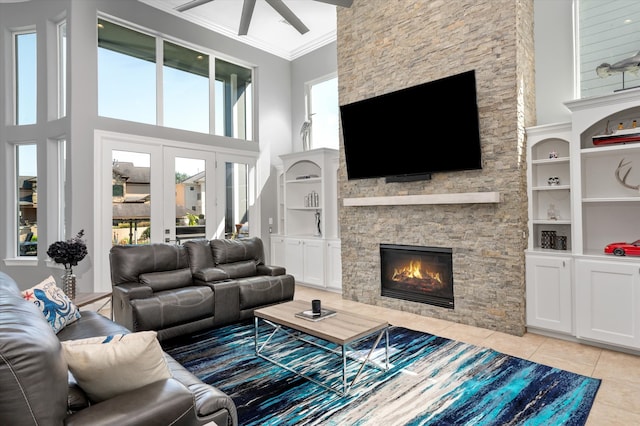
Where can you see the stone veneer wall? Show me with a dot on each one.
(386, 45)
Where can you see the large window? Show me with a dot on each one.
(27, 199)
(322, 113)
(186, 88)
(126, 74)
(25, 78)
(233, 101)
(609, 45)
(187, 98)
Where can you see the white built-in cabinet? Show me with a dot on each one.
(549, 295)
(334, 265)
(608, 302)
(307, 240)
(581, 291)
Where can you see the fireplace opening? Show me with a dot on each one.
(417, 274)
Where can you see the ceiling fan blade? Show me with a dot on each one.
(191, 5)
(343, 3)
(288, 15)
(245, 19)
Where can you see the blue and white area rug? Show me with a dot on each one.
(432, 381)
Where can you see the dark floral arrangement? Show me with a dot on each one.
(68, 252)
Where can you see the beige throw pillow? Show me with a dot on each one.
(110, 365)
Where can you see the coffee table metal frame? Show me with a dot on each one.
(300, 331)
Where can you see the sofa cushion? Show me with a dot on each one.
(229, 251)
(128, 262)
(169, 308)
(167, 280)
(56, 307)
(245, 268)
(199, 252)
(106, 366)
(91, 324)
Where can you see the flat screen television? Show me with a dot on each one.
(410, 133)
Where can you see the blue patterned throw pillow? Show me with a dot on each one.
(56, 307)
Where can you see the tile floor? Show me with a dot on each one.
(617, 401)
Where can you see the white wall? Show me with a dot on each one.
(553, 36)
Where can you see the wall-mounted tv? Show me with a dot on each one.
(410, 133)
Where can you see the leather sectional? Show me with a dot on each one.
(181, 289)
(36, 387)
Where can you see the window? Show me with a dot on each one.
(608, 34)
(323, 112)
(25, 78)
(127, 89)
(126, 74)
(62, 69)
(233, 101)
(27, 199)
(185, 88)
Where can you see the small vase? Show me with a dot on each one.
(69, 283)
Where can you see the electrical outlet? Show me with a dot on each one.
(270, 221)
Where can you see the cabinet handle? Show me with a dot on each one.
(563, 265)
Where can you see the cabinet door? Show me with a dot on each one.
(313, 262)
(294, 258)
(278, 256)
(549, 293)
(608, 302)
(334, 265)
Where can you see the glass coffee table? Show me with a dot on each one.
(334, 335)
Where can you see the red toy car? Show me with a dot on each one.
(623, 249)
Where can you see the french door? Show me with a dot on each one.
(151, 191)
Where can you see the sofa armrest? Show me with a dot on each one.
(132, 291)
(121, 298)
(271, 270)
(210, 275)
(210, 401)
(168, 400)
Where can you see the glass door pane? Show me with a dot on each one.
(236, 175)
(187, 209)
(131, 197)
(190, 199)
(27, 178)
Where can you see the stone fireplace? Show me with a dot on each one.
(382, 48)
(417, 273)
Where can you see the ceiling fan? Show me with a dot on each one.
(278, 5)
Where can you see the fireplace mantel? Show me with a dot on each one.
(405, 200)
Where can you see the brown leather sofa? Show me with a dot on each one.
(181, 289)
(36, 387)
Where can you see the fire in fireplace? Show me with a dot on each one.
(417, 273)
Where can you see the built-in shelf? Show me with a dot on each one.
(405, 200)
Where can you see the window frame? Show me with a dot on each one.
(249, 113)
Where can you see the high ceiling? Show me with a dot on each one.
(267, 30)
